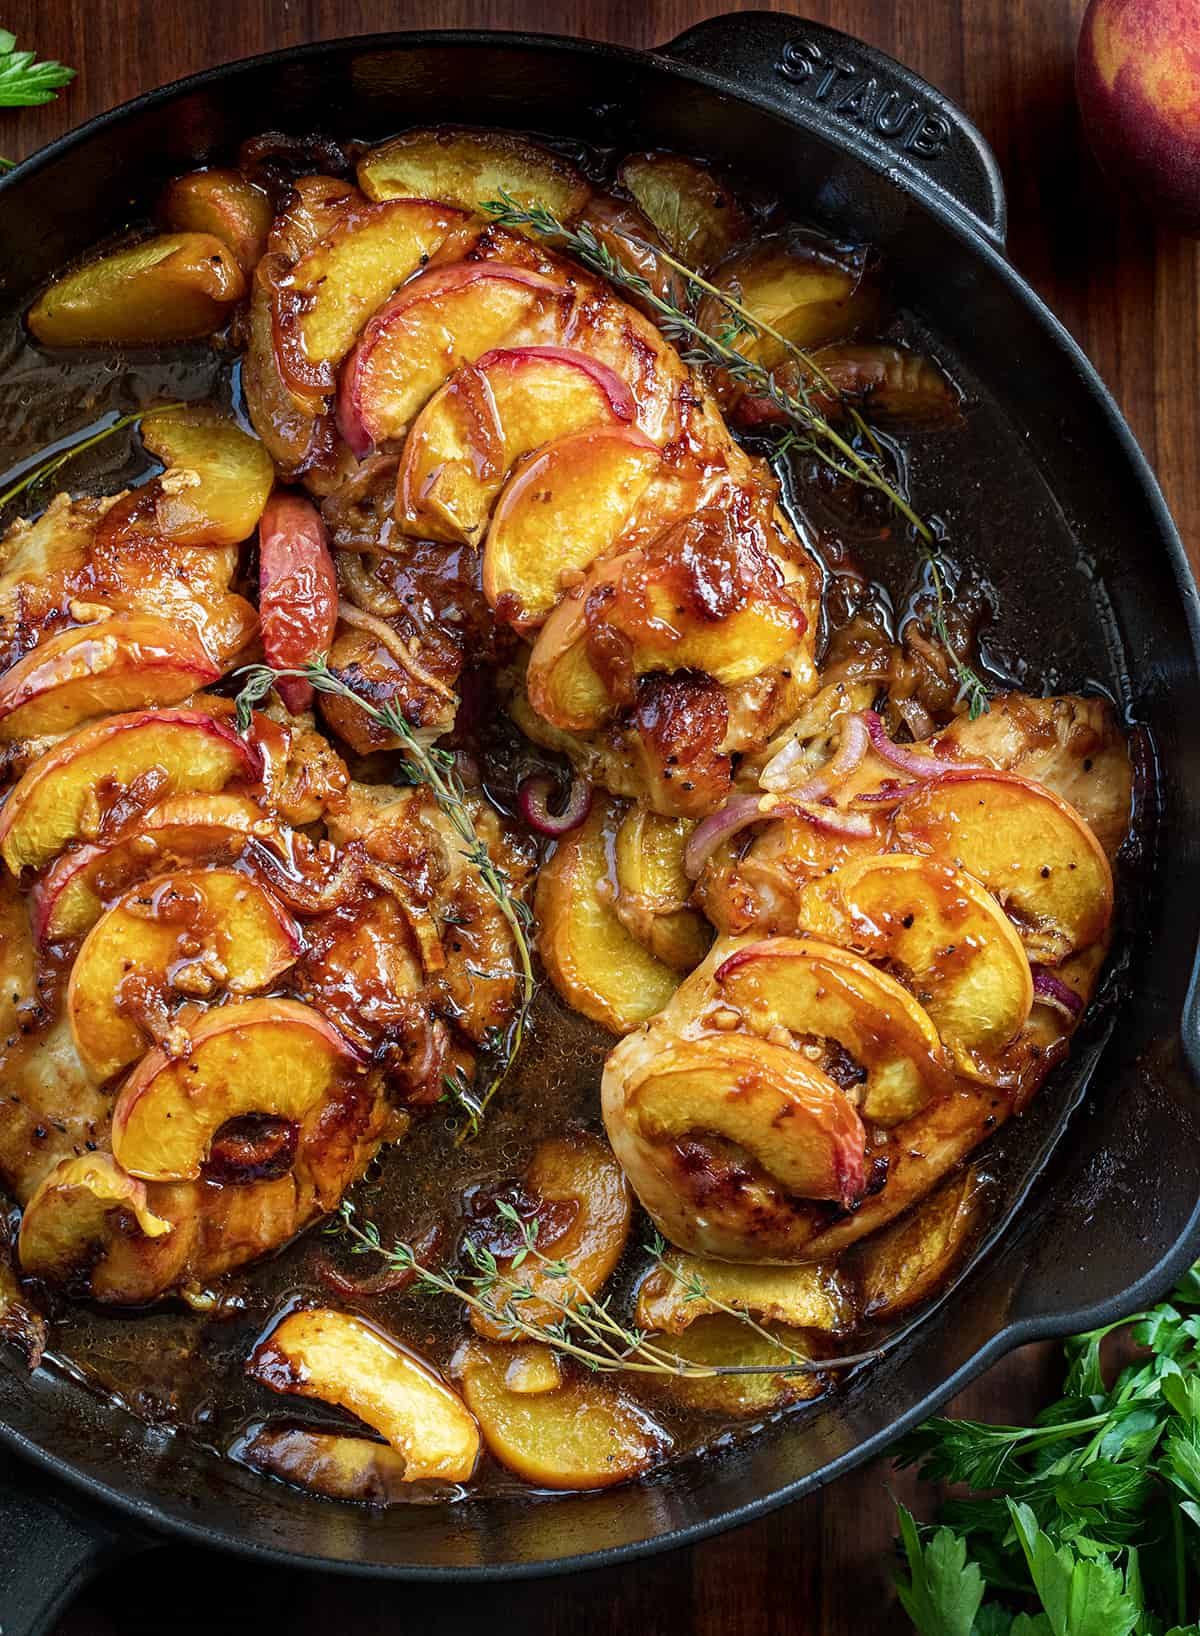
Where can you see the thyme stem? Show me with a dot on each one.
(51, 464)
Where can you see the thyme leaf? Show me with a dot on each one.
(434, 769)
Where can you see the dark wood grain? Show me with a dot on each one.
(1129, 293)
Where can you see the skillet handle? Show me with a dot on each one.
(51, 1545)
(834, 84)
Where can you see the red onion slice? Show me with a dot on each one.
(745, 810)
(1051, 990)
(533, 799)
(911, 761)
(776, 776)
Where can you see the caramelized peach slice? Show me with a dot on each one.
(347, 1361)
(115, 664)
(907, 1262)
(467, 438)
(447, 317)
(60, 797)
(346, 276)
(585, 1189)
(183, 829)
(947, 933)
(297, 592)
(176, 287)
(1026, 845)
(223, 203)
(654, 892)
(767, 1101)
(819, 992)
(339, 1468)
(596, 966)
(812, 297)
(182, 936)
(68, 1217)
(814, 1295)
(218, 478)
(722, 1342)
(560, 511)
(584, 1435)
(470, 168)
(251, 1056)
(294, 434)
(698, 217)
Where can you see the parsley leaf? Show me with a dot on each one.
(944, 1590)
(24, 81)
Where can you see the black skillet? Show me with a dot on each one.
(1062, 513)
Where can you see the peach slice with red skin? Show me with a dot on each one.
(68, 1216)
(55, 800)
(335, 287)
(297, 592)
(819, 991)
(446, 317)
(469, 435)
(345, 1360)
(265, 1056)
(561, 510)
(70, 897)
(113, 665)
(180, 936)
(955, 945)
(1026, 845)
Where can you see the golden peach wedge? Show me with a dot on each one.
(583, 1435)
(262, 1056)
(445, 318)
(699, 219)
(217, 481)
(562, 509)
(223, 203)
(1026, 845)
(682, 1288)
(115, 664)
(582, 1206)
(344, 1360)
(339, 1468)
(62, 795)
(817, 992)
(912, 1259)
(722, 1342)
(335, 287)
(180, 937)
(956, 947)
(69, 1216)
(183, 829)
(176, 287)
(470, 168)
(593, 962)
(810, 296)
(294, 435)
(469, 435)
(654, 892)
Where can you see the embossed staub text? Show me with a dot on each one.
(870, 99)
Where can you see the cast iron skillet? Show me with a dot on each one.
(1081, 547)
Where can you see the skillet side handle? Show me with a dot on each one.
(52, 1545)
(832, 83)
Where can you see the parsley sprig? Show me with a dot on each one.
(1086, 1523)
(24, 81)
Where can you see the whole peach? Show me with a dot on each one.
(1137, 75)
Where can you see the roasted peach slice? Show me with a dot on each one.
(946, 932)
(1026, 845)
(682, 1288)
(297, 592)
(295, 435)
(61, 797)
(908, 1261)
(344, 1360)
(68, 1217)
(179, 937)
(564, 508)
(471, 167)
(346, 276)
(251, 1056)
(467, 438)
(583, 1435)
(653, 890)
(223, 203)
(176, 287)
(819, 992)
(581, 1203)
(218, 479)
(809, 295)
(722, 1342)
(339, 1468)
(445, 318)
(594, 963)
(115, 664)
(698, 217)
(183, 829)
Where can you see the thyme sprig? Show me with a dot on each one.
(585, 1327)
(810, 431)
(434, 769)
(52, 462)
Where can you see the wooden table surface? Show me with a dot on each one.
(1130, 294)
